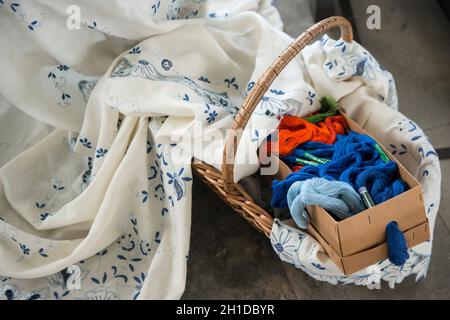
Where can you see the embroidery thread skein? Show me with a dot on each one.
(328, 108)
(336, 197)
(397, 245)
(299, 153)
(381, 182)
(317, 149)
(299, 161)
(294, 131)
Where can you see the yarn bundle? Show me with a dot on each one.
(343, 172)
(294, 131)
(335, 196)
(329, 107)
(352, 159)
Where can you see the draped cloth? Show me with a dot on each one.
(99, 125)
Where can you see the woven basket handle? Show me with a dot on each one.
(263, 84)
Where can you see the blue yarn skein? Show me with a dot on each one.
(381, 182)
(397, 245)
(318, 149)
(280, 188)
(336, 197)
(355, 142)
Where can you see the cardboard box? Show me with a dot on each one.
(360, 240)
(355, 262)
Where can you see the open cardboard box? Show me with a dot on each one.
(360, 241)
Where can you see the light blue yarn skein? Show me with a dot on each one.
(337, 197)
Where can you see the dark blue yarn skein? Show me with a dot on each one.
(381, 181)
(397, 245)
(317, 149)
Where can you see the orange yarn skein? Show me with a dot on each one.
(294, 131)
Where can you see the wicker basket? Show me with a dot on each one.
(223, 182)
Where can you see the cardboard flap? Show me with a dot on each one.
(367, 228)
(363, 259)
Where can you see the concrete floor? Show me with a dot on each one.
(230, 260)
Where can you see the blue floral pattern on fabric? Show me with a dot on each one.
(341, 63)
(287, 240)
(21, 12)
(145, 69)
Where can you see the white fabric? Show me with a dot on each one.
(103, 191)
(110, 201)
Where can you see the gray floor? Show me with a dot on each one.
(230, 260)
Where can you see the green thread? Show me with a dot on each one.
(383, 155)
(309, 156)
(306, 162)
(329, 108)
